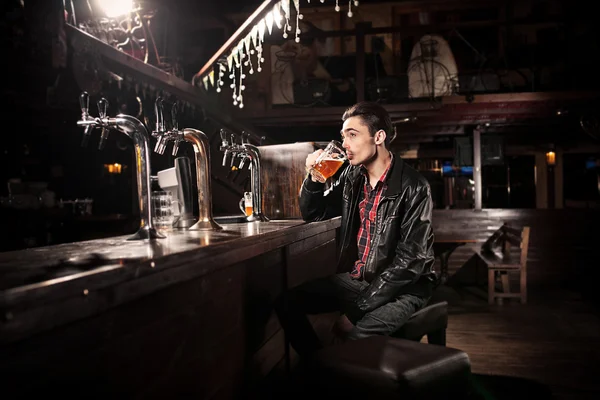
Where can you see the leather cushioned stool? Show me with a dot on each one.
(431, 320)
(383, 367)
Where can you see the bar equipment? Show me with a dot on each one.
(201, 146)
(133, 128)
(178, 182)
(246, 151)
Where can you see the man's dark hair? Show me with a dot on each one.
(375, 117)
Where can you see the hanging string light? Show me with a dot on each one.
(285, 6)
(298, 18)
(233, 85)
(240, 98)
(259, 48)
(222, 70)
(253, 46)
(249, 52)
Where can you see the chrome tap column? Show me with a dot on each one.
(250, 151)
(133, 128)
(202, 155)
(201, 147)
(246, 151)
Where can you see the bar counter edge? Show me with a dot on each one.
(186, 317)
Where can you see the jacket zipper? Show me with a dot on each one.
(348, 224)
(375, 240)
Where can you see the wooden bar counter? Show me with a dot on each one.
(186, 316)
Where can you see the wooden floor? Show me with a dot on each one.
(546, 349)
(549, 347)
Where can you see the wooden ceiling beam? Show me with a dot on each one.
(485, 108)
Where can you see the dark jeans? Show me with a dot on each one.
(337, 293)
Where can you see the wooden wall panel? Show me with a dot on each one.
(283, 170)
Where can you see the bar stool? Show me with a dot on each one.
(430, 321)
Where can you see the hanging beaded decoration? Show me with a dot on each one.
(252, 45)
(298, 18)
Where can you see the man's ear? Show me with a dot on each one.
(380, 136)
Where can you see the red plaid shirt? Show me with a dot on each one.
(368, 214)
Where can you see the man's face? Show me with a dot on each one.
(359, 144)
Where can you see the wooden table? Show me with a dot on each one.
(443, 247)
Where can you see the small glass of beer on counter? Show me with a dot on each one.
(329, 161)
(246, 204)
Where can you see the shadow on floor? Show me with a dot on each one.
(489, 387)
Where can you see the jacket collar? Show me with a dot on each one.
(394, 176)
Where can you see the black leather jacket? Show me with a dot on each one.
(401, 257)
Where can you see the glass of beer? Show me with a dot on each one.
(246, 204)
(329, 161)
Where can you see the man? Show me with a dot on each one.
(386, 238)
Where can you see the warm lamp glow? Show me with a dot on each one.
(116, 8)
(551, 158)
(115, 168)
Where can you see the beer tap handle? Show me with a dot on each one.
(86, 135)
(224, 146)
(245, 137)
(243, 162)
(161, 144)
(174, 111)
(223, 134)
(102, 108)
(84, 102)
(225, 157)
(158, 112)
(103, 138)
(175, 147)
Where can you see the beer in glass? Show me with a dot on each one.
(246, 204)
(329, 162)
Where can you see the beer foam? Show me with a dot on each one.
(332, 159)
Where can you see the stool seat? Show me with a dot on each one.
(384, 367)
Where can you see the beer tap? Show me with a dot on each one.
(244, 156)
(84, 103)
(133, 128)
(201, 146)
(224, 146)
(246, 151)
(252, 152)
(175, 135)
(159, 132)
(102, 107)
(235, 151)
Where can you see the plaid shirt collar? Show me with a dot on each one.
(383, 177)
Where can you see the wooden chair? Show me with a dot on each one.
(495, 252)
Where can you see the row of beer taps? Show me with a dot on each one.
(201, 146)
(245, 152)
(133, 128)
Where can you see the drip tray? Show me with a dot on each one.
(231, 219)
